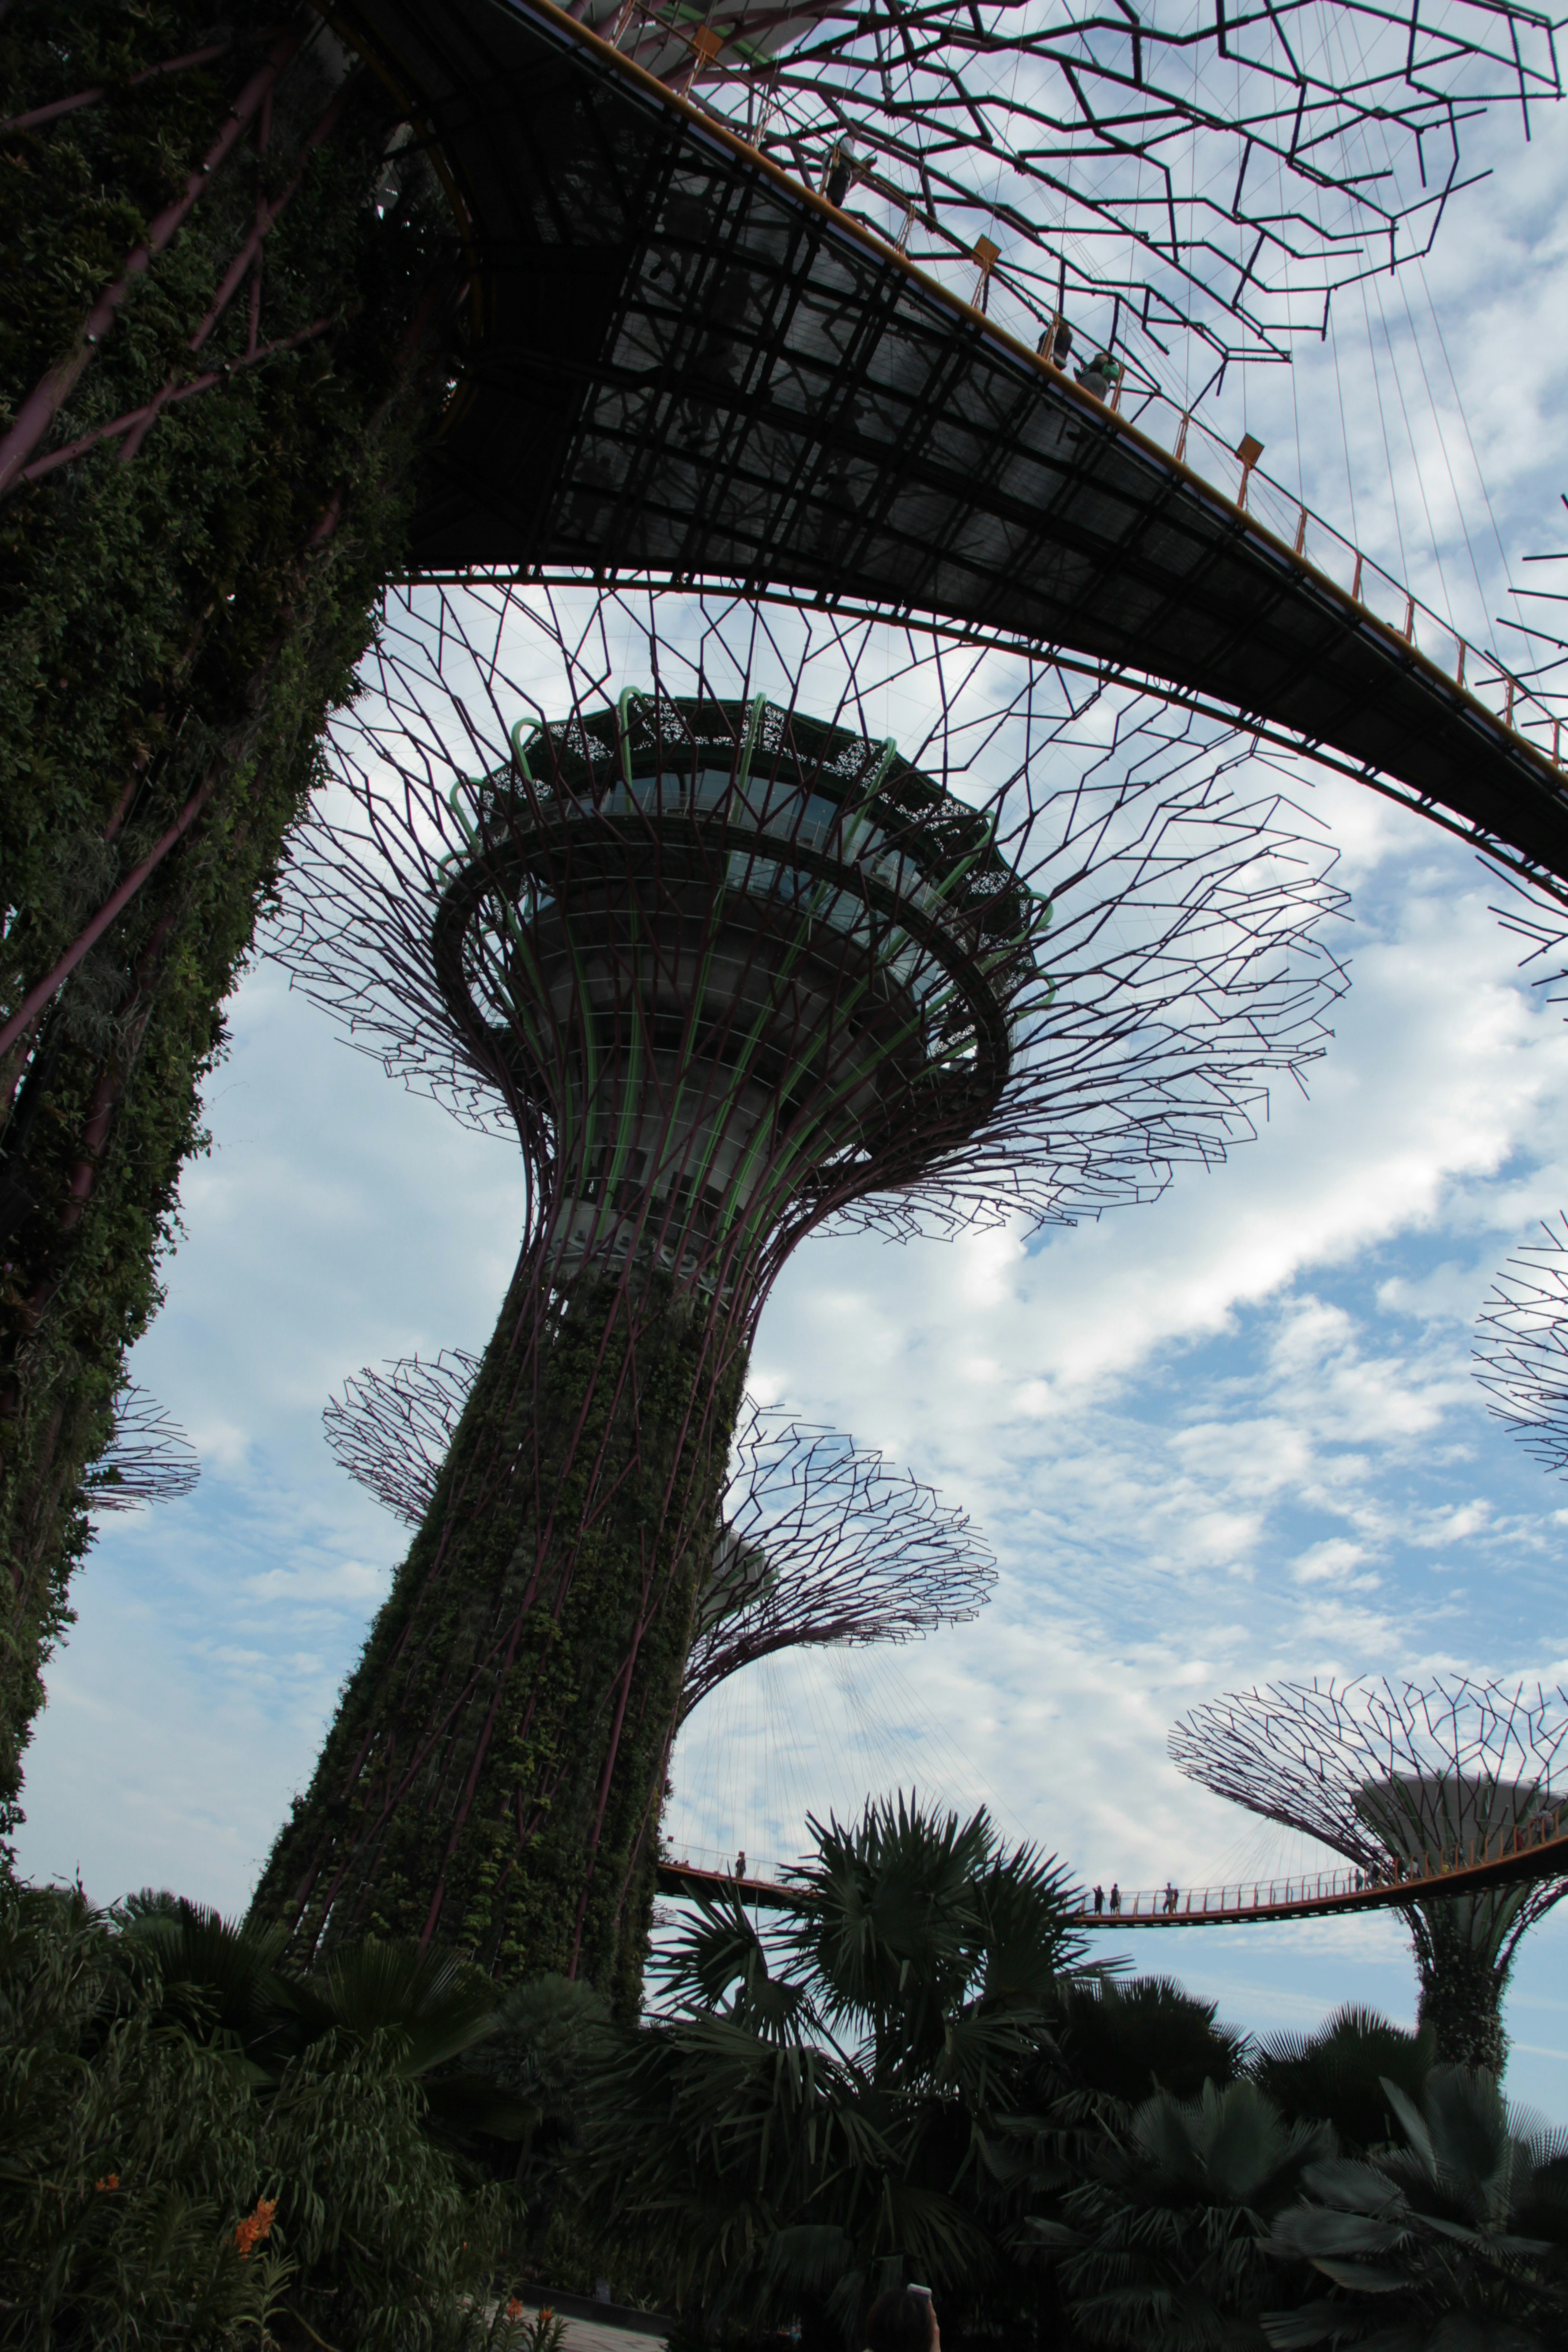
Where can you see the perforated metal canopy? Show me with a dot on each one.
(684, 365)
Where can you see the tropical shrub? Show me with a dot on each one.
(1130, 2040)
(1458, 2241)
(197, 2149)
(1160, 2245)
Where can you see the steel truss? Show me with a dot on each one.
(659, 888)
(820, 1546)
(1398, 1778)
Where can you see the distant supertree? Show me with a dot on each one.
(148, 1458)
(653, 884)
(1521, 1346)
(1388, 1772)
(820, 1544)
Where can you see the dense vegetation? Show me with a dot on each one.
(177, 617)
(915, 2076)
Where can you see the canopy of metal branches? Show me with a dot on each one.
(1182, 970)
(1157, 172)
(1521, 1345)
(1390, 1772)
(824, 1544)
(1379, 1769)
(148, 1459)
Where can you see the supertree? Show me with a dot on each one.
(1521, 1345)
(819, 1543)
(148, 1458)
(1392, 1773)
(268, 274)
(658, 888)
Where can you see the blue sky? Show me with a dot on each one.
(1230, 1435)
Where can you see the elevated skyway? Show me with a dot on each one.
(683, 366)
(1538, 1848)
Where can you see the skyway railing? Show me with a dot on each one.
(1237, 476)
(1536, 1848)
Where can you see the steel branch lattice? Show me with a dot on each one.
(822, 1544)
(1394, 1775)
(1184, 963)
(148, 1459)
(1216, 174)
(1521, 1345)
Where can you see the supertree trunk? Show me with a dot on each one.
(728, 967)
(212, 374)
(496, 1770)
(1462, 1979)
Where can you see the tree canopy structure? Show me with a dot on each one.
(820, 1545)
(659, 888)
(148, 1459)
(1521, 1346)
(1388, 1773)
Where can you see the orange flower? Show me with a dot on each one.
(256, 2226)
(514, 2309)
(109, 2180)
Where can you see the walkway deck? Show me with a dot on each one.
(685, 367)
(1472, 1870)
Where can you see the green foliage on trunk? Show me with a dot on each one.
(495, 1767)
(184, 620)
(1464, 1955)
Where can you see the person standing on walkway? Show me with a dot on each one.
(1115, 1898)
(1098, 1901)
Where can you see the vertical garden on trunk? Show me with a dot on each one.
(218, 349)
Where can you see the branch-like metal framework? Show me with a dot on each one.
(1215, 173)
(392, 1430)
(822, 1544)
(148, 1459)
(1147, 925)
(745, 924)
(1391, 1773)
(1521, 1345)
(825, 1546)
(1153, 174)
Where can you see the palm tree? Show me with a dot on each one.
(1158, 2248)
(1339, 2074)
(807, 2116)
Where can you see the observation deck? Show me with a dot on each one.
(748, 963)
(684, 367)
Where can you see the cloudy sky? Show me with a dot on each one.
(1229, 1436)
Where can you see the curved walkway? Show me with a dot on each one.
(1539, 1849)
(687, 368)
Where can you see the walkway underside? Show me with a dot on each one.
(683, 365)
(1218, 1906)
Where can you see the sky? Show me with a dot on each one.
(1230, 1436)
